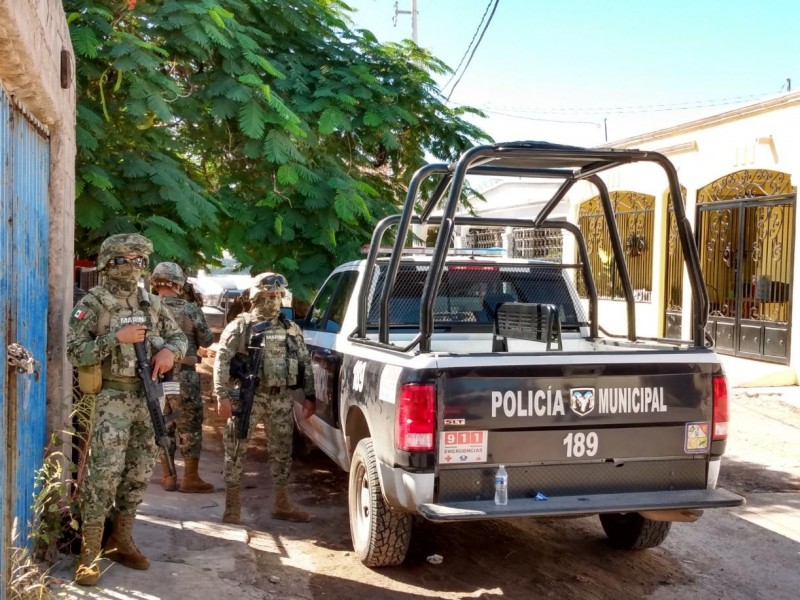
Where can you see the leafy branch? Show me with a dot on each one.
(267, 128)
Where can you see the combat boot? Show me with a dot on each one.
(89, 566)
(233, 506)
(284, 510)
(191, 482)
(168, 482)
(120, 547)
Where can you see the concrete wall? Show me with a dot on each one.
(33, 34)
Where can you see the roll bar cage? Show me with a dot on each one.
(569, 164)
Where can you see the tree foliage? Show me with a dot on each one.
(271, 129)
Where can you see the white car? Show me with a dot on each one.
(220, 287)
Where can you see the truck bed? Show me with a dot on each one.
(456, 342)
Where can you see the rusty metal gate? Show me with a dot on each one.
(24, 233)
(746, 241)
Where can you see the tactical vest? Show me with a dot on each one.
(279, 367)
(121, 365)
(179, 312)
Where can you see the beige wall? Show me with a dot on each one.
(762, 135)
(33, 34)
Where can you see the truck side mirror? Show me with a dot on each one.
(288, 312)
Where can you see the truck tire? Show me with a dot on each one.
(380, 536)
(632, 531)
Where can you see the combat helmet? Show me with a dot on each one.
(121, 244)
(267, 282)
(167, 273)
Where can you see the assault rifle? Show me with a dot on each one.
(249, 375)
(154, 392)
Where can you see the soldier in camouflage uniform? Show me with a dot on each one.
(272, 404)
(168, 281)
(104, 326)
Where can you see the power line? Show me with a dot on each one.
(502, 114)
(478, 43)
(474, 35)
(643, 108)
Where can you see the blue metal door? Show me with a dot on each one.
(5, 291)
(24, 179)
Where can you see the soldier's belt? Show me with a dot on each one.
(122, 386)
(272, 390)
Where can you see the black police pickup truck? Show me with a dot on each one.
(432, 370)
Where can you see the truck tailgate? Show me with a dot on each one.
(582, 504)
(634, 434)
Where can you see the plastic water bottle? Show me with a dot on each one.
(501, 486)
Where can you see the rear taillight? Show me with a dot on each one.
(720, 424)
(416, 417)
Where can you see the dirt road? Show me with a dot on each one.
(736, 554)
(570, 558)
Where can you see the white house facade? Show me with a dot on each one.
(738, 171)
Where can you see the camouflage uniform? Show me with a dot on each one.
(122, 449)
(189, 423)
(273, 401)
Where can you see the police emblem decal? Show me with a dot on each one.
(581, 401)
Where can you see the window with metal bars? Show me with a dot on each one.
(545, 244)
(484, 238)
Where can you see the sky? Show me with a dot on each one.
(585, 72)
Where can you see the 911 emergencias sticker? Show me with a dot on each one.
(696, 441)
(463, 447)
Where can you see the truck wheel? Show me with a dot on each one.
(632, 531)
(380, 536)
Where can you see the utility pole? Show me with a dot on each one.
(412, 12)
(418, 231)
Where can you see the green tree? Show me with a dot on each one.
(269, 128)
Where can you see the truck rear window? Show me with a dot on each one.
(470, 294)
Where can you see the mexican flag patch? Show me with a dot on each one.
(79, 314)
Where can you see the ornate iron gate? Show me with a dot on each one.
(634, 213)
(746, 242)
